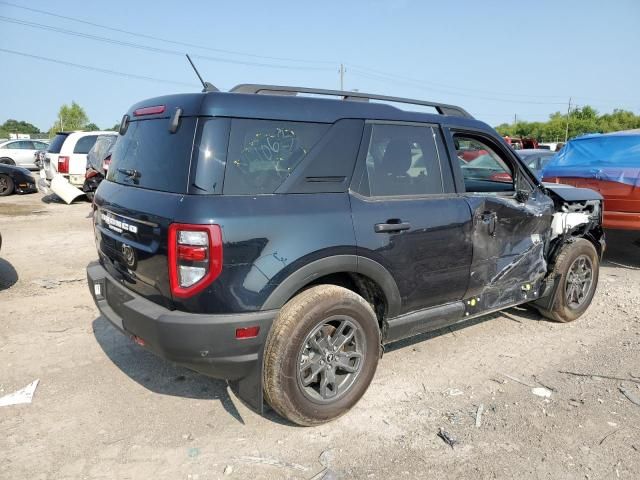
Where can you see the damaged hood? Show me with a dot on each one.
(572, 194)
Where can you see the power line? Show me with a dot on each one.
(391, 76)
(95, 69)
(426, 87)
(166, 40)
(146, 47)
(425, 82)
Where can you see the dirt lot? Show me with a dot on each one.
(105, 408)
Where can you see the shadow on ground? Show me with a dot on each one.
(52, 198)
(8, 275)
(157, 374)
(623, 248)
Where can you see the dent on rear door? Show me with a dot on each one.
(509, 263)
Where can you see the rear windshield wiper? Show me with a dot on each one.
(130, 173)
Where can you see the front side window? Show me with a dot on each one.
(263, 153)
(483, 169)
(402, 160)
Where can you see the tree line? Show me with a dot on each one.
(70, 117)
(581, 121)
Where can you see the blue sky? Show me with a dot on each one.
(495, 58)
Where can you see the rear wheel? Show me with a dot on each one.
(577, 268)
(321, 355)
(6, 185)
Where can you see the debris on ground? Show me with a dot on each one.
(630, 394)
(325, 474)
(447, 438)
(274, 463)
(608, 435)
(479, 415)
(228, 470)
(326, 458)
(597, 375)
(49, 283)
(518, 380)
(454, 392)
(194, 452)
(24, 395)
(541, 392)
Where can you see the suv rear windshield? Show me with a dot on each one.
(149, 156)
(56, 144)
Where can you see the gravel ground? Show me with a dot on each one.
(105, 408)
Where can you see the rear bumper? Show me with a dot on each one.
(202, 342)
(621, 220)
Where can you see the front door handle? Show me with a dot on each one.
(393, 225)
(490, 219)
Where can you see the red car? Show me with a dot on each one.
(609, 164)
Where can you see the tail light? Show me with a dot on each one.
(63, 164)
(106, 162)
(195, 257)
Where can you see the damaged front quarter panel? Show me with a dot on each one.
(578, 214)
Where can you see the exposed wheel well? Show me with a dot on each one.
(357, 283)
(7, 161)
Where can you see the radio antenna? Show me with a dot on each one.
(207, 87)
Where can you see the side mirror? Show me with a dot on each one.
(522, 196)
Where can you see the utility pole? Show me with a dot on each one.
(342, 70)
(515, 118)
(566, 132)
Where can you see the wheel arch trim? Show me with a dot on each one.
(337, 264)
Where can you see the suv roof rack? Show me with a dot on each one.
(441, 108)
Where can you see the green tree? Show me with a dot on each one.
(91, 127)
(582, 120)
(70, 117)
(15, 126)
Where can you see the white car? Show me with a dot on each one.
(21, 153)
(67, 155)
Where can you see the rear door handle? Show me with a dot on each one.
(391, 226)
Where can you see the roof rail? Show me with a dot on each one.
(441, 108)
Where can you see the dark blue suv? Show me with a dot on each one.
(279, 240)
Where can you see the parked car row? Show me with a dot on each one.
(21, 153)
(67, 156)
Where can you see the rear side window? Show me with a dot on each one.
(84, 144)
(149, 156)
(56, 144)
(263, 153)
(402, 160)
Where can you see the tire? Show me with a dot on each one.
(7, 161)
(6, 185)
(572, 300)
(323, 313)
